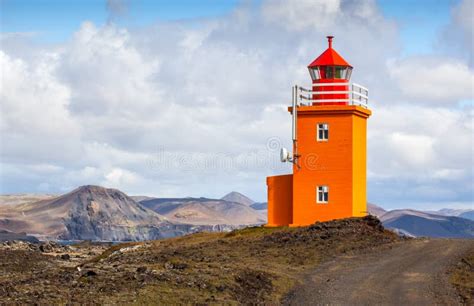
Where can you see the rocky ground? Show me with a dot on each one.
(249, 265)
(254, 265)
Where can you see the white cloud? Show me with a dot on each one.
(302, 14)
(179, 110)
(35, 122)
(412, 150)
(120, 177)
(108, 76)
(417, 149)
(420, 142)
(433, 80)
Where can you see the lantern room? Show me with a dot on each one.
(329, 66)
(330, 74)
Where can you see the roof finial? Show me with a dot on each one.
(330, 41)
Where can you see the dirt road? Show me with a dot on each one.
(409, 273)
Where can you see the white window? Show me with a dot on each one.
(322, 195)
(323, 132)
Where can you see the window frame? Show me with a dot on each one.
(315, 73)
(348, 73)
(324, 130)
(324, 192)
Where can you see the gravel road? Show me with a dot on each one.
(409, 273)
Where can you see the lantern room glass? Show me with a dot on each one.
(330, 72)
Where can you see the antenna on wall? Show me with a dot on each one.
(293, 113)
(286, 156)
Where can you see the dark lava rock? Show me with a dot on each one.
(90, 273)
(49, 246)
(374, 222)
(175, 266)
(141, 269)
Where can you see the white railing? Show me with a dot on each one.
(357, 94)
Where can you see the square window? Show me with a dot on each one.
(322, 196)
(329, 72)
(323, 132)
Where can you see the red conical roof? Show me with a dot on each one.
(329, 57)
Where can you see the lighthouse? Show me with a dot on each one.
(329, 154)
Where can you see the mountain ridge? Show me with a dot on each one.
(200, 211)
(98, 213)
(410, 222)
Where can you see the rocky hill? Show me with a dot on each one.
(237, 197)
(89, 213)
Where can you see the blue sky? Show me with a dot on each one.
(94, 91)
(419, 21)
(55, 20)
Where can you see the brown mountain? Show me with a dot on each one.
(204, 211)
(237, 197)
(88, 212)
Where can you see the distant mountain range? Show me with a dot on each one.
(201, 211)
(97, 213)
(430, 224)
(463, 213)
(467, 215)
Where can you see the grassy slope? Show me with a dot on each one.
(252, 265)
(462, 277)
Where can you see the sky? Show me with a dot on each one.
(188, 98)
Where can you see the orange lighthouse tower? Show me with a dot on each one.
(329, 132)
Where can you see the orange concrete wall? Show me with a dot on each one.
(280, 200)
(328, 163)
(359, 166)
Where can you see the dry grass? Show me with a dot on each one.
(462, 278)
(250, 266)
